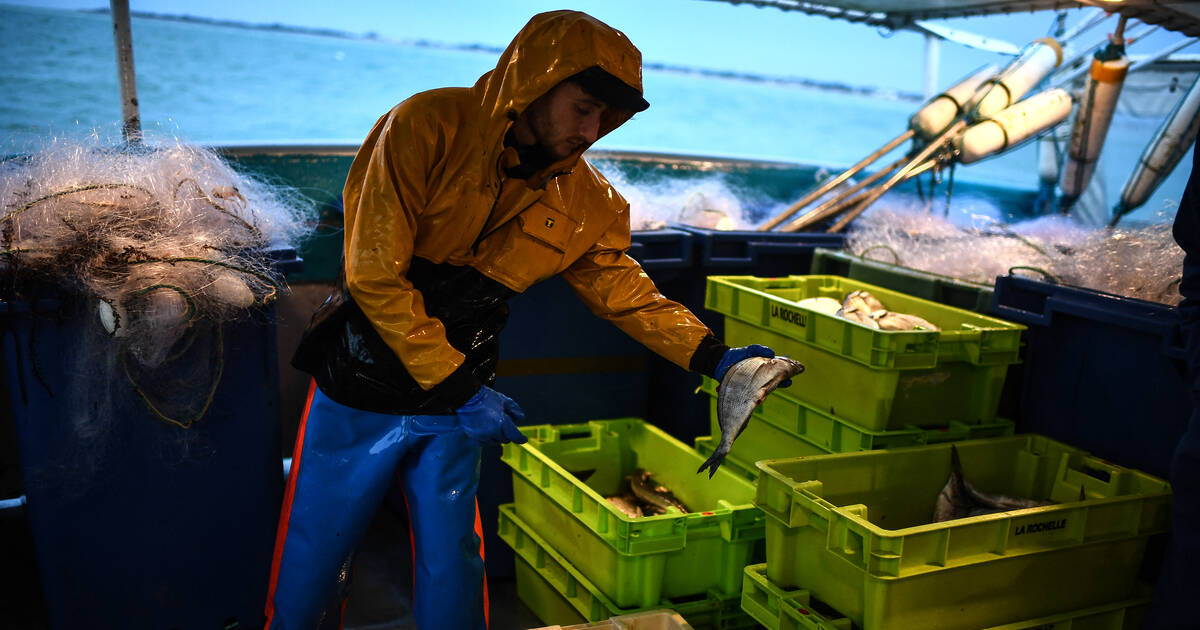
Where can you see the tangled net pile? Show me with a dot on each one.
(1139, 262)
(164, 236)
(707, 202)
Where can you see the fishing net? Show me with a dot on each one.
(157, 248)
(705, 202)
(164, 237)
(1139, 261)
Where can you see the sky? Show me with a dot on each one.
(696, 33)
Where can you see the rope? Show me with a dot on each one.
(208, 399)
(191, 304)
(949, 189)
(895, 256)
(267, 299)
(1005, 230)
(1049, 276)
(70, 191)
(253, 229)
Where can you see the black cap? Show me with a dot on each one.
(608, 88)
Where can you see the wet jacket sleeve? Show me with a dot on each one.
(384, 196)
(616, 288)
(1187, 234)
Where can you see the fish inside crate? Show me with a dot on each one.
(858, 531)
(563, 479)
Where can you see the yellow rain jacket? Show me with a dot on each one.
(429, 183)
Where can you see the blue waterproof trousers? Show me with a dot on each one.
(343, 463)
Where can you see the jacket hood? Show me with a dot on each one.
(550, 48)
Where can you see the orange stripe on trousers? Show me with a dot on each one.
(288, 495)
(483, 557)
(412, 546)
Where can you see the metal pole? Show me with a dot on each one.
(933, 48)
(829, 184)
(1064, 77)
(1160, 55)
(847, 204)
(839, 202)
(1097, 16)
(899, 176)
(123, 37)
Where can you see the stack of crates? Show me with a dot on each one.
(649, 620)
(973, 296)
(862, 388)
(580, 559)
(850, 542)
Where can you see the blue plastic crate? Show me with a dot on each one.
(1102, 372)
(726, 252)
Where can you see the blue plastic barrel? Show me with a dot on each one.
(1101, 372)
(142, 514)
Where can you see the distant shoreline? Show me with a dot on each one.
(828, 86)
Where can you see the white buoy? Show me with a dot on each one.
(163, 307)
(1029, 68)
(1169, 144)
(1091, 124)
(112, 317)
(228, 290)
(1094, 116)
(1050, 155)
(1049, 148)
(936, 115)
(1013, 125)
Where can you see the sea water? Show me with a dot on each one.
(223, 84)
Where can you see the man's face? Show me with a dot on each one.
(563, 121)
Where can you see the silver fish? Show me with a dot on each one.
(626, 504)
(860, 306)
(890, 320)
(743, 388)
(656, 496)
(826, 305)
(862, 301)
(959, 499)
(857, 315)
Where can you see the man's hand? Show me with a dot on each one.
(489, 418)
(734, 355)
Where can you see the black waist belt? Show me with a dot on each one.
(354, 366)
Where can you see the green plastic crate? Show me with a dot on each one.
(706, 445)
(880, 380)
(854, 528)
(559, 593)
(783, 609)
(797, 426)
(771, 303)
(971, 296)
(648, 620)
(560, 479)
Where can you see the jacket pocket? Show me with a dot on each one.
(547, 226)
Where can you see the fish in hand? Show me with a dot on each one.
(744, 386)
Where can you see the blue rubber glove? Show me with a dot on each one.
(489, 418)
(733, 355)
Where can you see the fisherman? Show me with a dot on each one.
(459, 199)
(1178, 584)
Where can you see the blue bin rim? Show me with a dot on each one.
(1151, 318)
